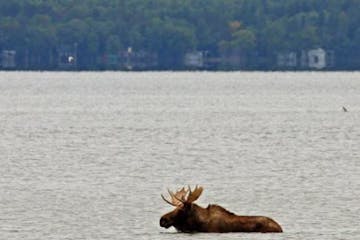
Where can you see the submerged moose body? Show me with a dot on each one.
(189, 217)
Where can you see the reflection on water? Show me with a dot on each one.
(87, 155)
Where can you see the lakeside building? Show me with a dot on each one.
(195, 59)
(317, 59)
(8, 59)
(130, 60)
(287, 60)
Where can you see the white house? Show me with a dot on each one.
(317, 58)
(194, 59)
(287, 59)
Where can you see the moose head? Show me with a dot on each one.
(185, 212)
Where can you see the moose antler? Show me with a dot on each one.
(182, 196)
(194, 195)
(178, 198)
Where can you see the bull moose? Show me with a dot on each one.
(189, 217)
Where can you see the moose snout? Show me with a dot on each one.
(164, 223)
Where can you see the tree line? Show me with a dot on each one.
(257, 29)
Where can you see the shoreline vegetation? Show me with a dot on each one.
(127, 35)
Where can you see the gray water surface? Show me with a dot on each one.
(87, 155)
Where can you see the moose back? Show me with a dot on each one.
(189, 217)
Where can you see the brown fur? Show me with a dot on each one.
(190, 217)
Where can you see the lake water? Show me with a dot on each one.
(87, 155)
